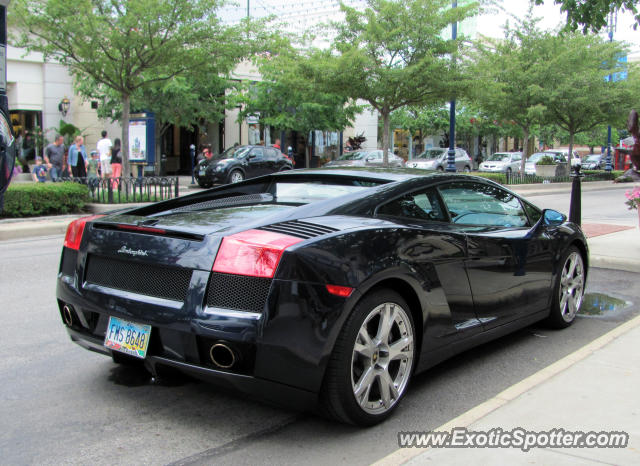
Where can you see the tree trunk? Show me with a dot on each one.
(385, 136)
(126, 111)
(410, 154)
(570, 154)
(525, 148)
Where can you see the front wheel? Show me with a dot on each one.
(372, 361)
(467, 169)
(568, 290)
(236, 176)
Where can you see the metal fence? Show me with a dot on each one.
(129, 189)
(517, 178)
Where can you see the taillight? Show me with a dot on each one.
(342, 291)
(74, 231)
(255, 253)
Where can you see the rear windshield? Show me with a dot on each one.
(298, 192)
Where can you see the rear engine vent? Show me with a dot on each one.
(238, 292)
(299, 229)
(226, 202)
(146, 279)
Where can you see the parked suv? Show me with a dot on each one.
(436, 159)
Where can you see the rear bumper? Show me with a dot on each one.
(274, 392)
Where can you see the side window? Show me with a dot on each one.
(516, 157)
(416, 206)
(270, 154)
(256, 153)
(533, 213)
(481, 204)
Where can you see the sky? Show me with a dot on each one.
(301, 15)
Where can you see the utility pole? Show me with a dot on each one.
(451, 159)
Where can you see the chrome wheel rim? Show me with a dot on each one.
(236, 177)
(571, 286)
(382, 358)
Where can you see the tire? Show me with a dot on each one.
(467, 169)
(508, 172)
(204, 185)
(568, 290)
(236, 176)
(440, 169)
(367, 376)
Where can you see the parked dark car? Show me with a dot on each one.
(319, 286)
(366, 158)
(240, 163)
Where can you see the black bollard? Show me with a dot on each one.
(192, 152)
(575, 208)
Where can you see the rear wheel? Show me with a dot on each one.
(440, 169)
(372, 361)
(467, 169)
(236, 176)
(568, 290)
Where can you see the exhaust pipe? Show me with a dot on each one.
(67, 315)
(222, 356)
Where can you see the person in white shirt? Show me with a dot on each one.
(104, 149)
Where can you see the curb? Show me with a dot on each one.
(476, 413)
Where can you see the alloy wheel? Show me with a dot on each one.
(571, 286)
(382, 358)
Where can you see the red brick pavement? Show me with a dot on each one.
(598, 229)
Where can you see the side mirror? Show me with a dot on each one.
(368, 159)
(252, 156)
(553, 217)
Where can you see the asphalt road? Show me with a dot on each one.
(60, 404)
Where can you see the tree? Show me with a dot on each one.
(576, 93)
(396, 53)
(127, 45)
(510, 73)
(592, 14)
(289, 97)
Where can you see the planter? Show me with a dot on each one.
(546, 171)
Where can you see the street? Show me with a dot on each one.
(61, 404)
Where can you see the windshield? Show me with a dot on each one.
(537, 156)
(431, 154)
(499, 157)
(593, 158)
(357, 155)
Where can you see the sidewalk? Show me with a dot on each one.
(591, 390)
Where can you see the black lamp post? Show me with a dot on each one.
(451, 159)
(611, 25)
(7, 139)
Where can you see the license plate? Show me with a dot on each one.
(127, 337)
(203, 172)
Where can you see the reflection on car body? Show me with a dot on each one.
(319, 286)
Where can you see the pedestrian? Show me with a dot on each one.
(104, 149)
(277, 144)
(78, 160)
(54, 157)
(39, 172)
(93, 168)
(116, 163)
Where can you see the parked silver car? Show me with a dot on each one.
(502, 162)
(436, 159)
(365, 158)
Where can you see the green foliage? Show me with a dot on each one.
(546, 160)
(122, 48)
(31, 199)
(591, 15)
(497, 177)
(397, 53)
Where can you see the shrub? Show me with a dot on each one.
(30, 199)
(497, 177)
(546, 160)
